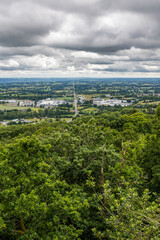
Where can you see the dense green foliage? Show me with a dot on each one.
(96, 177)
(40, 113)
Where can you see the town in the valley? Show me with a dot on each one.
(39, 100)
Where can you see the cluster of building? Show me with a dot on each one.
(50, 103)
(110, 102)
(27, 103)
(46, 103)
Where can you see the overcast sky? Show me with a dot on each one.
(107, 38)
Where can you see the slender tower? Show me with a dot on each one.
(75, 101)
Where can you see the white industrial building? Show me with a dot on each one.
(110, 102)
(8, 100)
(49, 103)
(27, 103)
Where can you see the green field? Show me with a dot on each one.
(89, 97)
(9, 107)
(89, 110)
(148, 102)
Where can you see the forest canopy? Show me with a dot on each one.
(96, 177)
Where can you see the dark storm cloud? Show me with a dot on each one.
(72, 35)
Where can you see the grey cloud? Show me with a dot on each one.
(124, 34)
(138, 6)
(24, 24)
